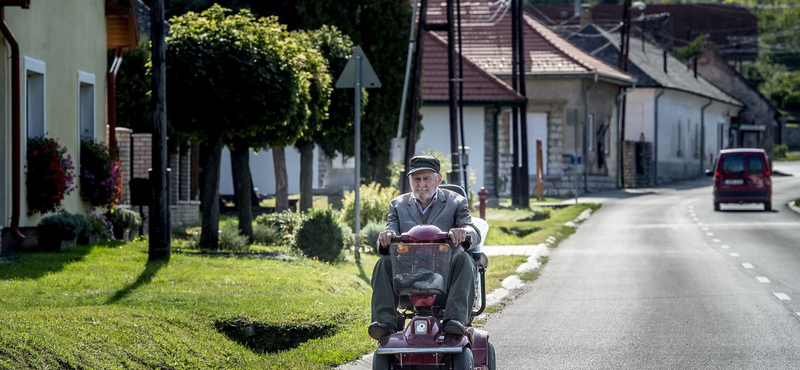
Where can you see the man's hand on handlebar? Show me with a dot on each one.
(457, 236)
(386, 237)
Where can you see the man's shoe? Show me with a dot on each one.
(454, 326)
(378, 330)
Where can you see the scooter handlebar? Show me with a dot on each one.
(468, 241)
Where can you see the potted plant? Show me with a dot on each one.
(100, 181)
(58, 232)
(99, 228)
(125, 223)
(49, 175)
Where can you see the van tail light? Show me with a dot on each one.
(766, 173)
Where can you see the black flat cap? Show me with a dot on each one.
(423, 162)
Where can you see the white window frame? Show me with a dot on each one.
(85, 78)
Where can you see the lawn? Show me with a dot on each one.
(790, 156)
(797, 202)
(509, 226)
(107, 307)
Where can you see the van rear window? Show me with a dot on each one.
(733, 165)
(755, 165)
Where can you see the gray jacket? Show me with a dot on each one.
(449, 211)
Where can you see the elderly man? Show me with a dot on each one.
(426, 204)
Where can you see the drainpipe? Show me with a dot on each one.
(496, 151)
(621, 139)
(655, 137)
(16, 130)
(585, 134)
(112, 104)
(703, 134)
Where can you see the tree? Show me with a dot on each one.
(231, 79)
(381, 28)
(335, 133)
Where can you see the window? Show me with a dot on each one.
(733, 165)
(34, 98)
(590, 131)
(755, 165)
(86, 105)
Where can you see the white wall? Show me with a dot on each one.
(639, 115)
(436, 136)
(262, 170)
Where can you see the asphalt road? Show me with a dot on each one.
(661, 281)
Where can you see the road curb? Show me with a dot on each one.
(793, 207)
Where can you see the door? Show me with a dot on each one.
(732, 175)
(537, 130)
(756, 177)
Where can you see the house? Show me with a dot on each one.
(760, 124)
(684, 117)
(571, 102)
(62, 69)
(733, 28)
(485, 96)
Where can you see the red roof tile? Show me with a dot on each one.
(488, 44)
(479, 86)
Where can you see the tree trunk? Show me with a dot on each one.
(281, 179)
(240, 165)
(306, 175)
(209, 198)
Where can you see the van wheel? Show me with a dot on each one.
(767, 206)
(716, 206)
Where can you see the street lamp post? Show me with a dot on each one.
(625, 39)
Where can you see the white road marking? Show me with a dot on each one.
(747, 265)
(691, 206)
(734, 254)
(762, 279)
(695, 219)
(710, 234)
(693, 215)
(782, 296)
(725, 246)
(717, 240)
(705, 229)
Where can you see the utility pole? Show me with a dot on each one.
(159, 239)
(413, 118)
(524, 199)
(454, 177)
(515, 175)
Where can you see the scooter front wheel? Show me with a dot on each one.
(381, 362)
(464, 360)
(490, 358)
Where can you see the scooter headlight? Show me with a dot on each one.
(420, 327)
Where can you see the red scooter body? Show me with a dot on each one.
(421, 263)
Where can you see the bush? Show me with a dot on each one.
(374, 204)
(82, 224)
(101, 184)
(369, 234)
(61, 225)
(50, 175)
(320, 236)
(780, 151)
(267, 235)
(286, 222)
(231, 240)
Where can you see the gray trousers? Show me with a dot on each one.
(460, 295)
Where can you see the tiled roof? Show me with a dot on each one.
(648, 64)
(479, 86)
(489, 45)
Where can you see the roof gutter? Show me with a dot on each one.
(16, 129)
(601, 77)
(112, 103)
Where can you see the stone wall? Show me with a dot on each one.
(638, 172)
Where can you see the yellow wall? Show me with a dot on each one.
(68, 36)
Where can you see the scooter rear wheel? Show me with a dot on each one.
(490, 358)
(464, 360)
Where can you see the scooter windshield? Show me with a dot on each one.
(420, 268)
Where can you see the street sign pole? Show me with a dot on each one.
(358, 156)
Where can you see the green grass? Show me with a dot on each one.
(108, 308)
(506, 230)
(797, 202)
(790, 156)
(320, 202)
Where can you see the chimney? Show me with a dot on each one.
(665, 61)
(695, 66)
(586, 15)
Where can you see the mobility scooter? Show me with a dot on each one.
(421, 264)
